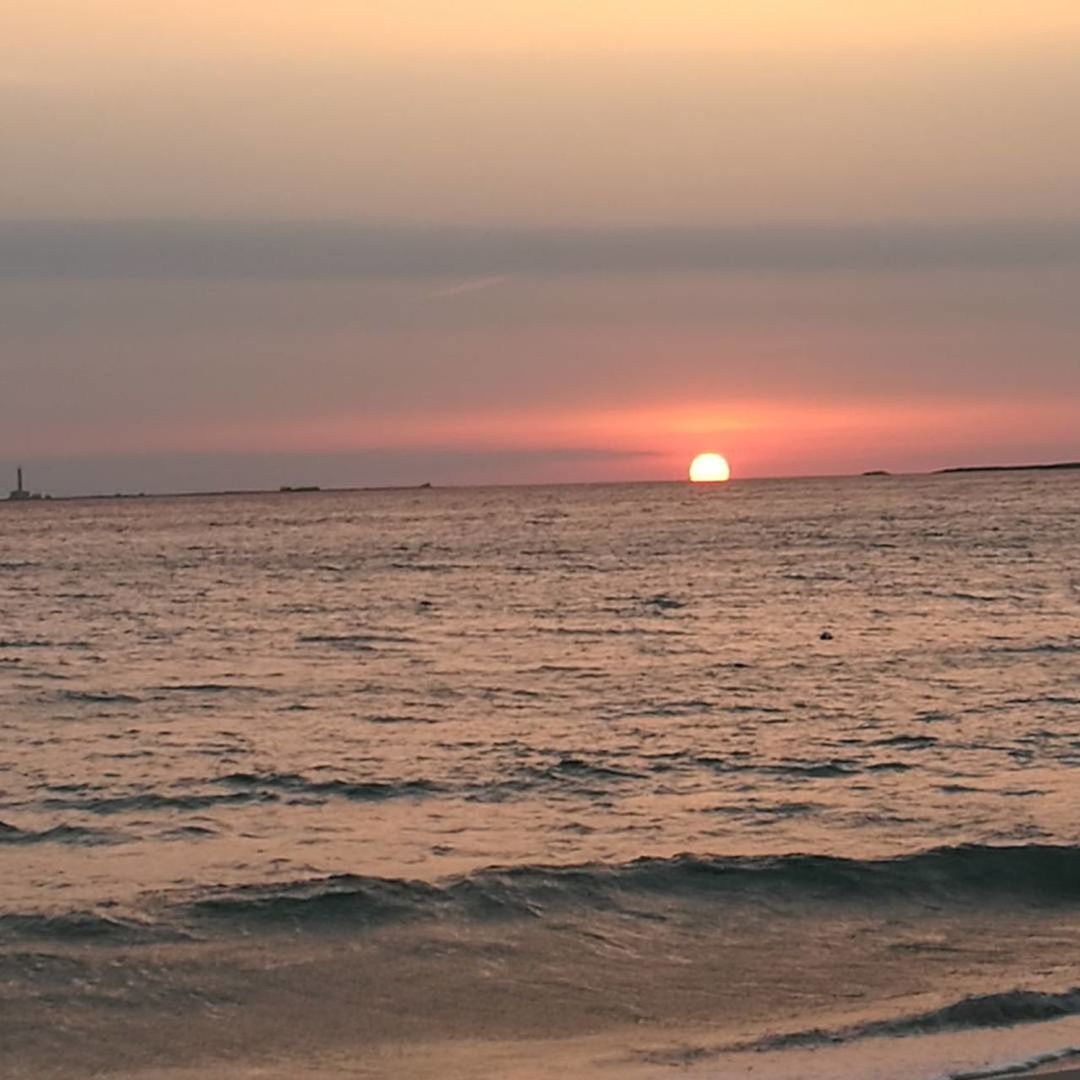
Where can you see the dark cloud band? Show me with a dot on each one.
(327, 250)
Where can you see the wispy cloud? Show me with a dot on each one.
(471, 286)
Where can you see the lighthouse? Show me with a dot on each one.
(20, 492)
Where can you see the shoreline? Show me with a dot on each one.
(613, 1055)
(1055, 466)
(1062, 1069)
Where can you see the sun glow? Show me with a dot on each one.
(709, 469)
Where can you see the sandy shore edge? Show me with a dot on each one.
(1065, 1069)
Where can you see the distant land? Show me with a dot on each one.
(1010, 468)
(285, 489)
(18, 496)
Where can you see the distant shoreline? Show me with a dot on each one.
(1009, 468)
(140, 496)
(1057, 466)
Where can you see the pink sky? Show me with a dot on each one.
(539, 241)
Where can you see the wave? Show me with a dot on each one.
(997, 1010)
(645, 889)
(63, 834)
(362, 790)
(100, 697)
(1004, 1009)
(610, 631)
(246, 787)
(391, 718)
(85, 926)
(663, 602)
(152, 800)
(570, 774)
(330, 900)
(358, 642)
(577, 768)
(211, 688)
(964, 875)
(907, 742)
(814, 770)
(1018, 1068)
(1070, 646)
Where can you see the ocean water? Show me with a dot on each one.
(635, 780)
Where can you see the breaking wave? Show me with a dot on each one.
(1004, 1009)
(963, 876)
(968, 874)
(85, 926)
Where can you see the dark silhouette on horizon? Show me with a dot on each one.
(1011, 468)
(20, 493)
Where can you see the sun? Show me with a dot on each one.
(709, 468)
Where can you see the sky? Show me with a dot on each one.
(347, 243)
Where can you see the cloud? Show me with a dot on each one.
(475, 285)
(484, 256)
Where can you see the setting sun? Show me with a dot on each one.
(709, 469)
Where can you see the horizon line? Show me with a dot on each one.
(314, 489)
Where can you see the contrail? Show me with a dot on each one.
(473, 285)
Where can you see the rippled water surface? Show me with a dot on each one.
(241, 689)
(670, 778)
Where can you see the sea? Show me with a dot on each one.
(770, 779)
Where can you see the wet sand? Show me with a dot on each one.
(635, 998)
(606, 1058)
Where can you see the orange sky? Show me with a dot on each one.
(945, 331)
